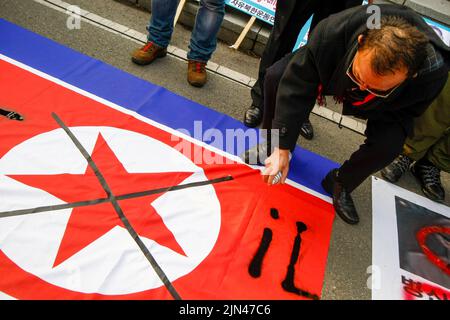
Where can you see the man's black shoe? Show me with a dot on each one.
(397, 168)
(430, 180)
(253, 117)
(342, 200)
(307, 130)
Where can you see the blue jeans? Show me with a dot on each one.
(204, 35)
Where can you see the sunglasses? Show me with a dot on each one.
(377, 93)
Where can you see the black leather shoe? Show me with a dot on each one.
(397, 168)
(258, 155)
(342, 200)
(307, 130)
(253, 117)
(430, 180)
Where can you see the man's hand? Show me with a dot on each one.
(278, 162)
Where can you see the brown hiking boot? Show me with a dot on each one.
(148, 53)
(196, 73)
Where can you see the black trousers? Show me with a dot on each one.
(384, 140)
(289, 20)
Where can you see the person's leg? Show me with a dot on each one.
(323, 10)
(207, 25)
(160, 31)
(384, 142)
(281, 42)
(259, 153)
(426, 169)
(431, 143)
(429, 128)
(271, 82)
(204, 40)
(161, 22)
(439, 153)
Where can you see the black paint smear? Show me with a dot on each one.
(301, 227)
(274, 213)
(255, 266)
(288, 283)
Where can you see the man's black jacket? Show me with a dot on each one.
(324, 60)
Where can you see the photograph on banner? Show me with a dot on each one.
(411, 245)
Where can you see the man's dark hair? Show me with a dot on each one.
(397, 44)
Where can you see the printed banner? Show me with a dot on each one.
(304, 32)
(103, 198)
(411, 253)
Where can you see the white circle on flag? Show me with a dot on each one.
(113, 264)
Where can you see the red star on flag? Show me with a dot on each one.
(88, 223)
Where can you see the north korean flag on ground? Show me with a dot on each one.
(98, 201)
